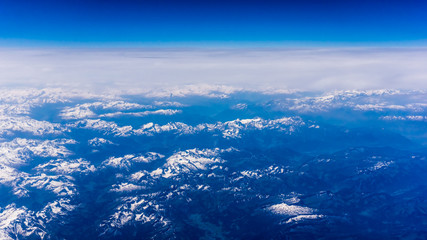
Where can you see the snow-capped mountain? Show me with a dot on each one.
(212, 162)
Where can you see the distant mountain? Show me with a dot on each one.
(213, 162)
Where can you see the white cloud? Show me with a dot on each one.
(263, 68)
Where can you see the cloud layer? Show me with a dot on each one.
(303, 69)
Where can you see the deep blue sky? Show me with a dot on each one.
(122, 23)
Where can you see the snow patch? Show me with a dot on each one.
(289, 210)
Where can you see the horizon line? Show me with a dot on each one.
(28, 43)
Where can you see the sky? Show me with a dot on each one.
(206, 22)
(306, 44)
